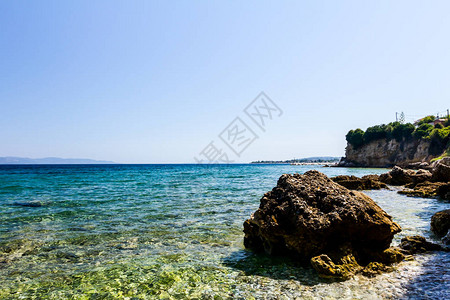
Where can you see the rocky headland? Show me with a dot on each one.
(387, 153)
(404, 145)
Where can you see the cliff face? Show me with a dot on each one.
(387, 153)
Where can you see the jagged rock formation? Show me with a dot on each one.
(315, 219)
(368, 182)
(422, 183)
(387, 153)
(398, 176)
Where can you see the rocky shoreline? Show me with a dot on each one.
(434, 181)
(329, 224)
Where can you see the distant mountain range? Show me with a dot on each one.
(49, 161)
(316, 159)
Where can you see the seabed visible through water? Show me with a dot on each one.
(175, 232)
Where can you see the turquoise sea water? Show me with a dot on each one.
(175, 232)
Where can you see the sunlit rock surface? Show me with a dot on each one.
(310, 215)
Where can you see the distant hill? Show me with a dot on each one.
(315, 159)
(49, 161)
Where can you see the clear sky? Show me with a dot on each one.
(157, 81)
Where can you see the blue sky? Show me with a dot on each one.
(156, 81)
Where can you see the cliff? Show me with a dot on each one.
(387, 153)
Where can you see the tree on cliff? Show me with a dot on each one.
(355, 137)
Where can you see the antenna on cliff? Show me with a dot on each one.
(402, 118)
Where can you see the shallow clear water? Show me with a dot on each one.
(175, 232)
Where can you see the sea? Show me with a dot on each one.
(176, 232)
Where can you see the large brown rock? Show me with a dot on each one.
(309, 215)
(421, 176)
(441, 170)
(440, 222)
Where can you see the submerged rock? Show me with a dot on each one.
(29, 204)
(308, 216)
(14, 249)
(440, 222)
(368, 182)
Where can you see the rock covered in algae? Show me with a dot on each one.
(425, 189)
(310, 216)
(344, 268)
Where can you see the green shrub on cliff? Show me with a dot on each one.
(375, 133)
(355, 137)
(426, 120)
(438, 126)
(403, 131)
(439, 140)
(422, 131)
(438, 134)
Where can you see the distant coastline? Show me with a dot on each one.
(10, 160)
(300, 161)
